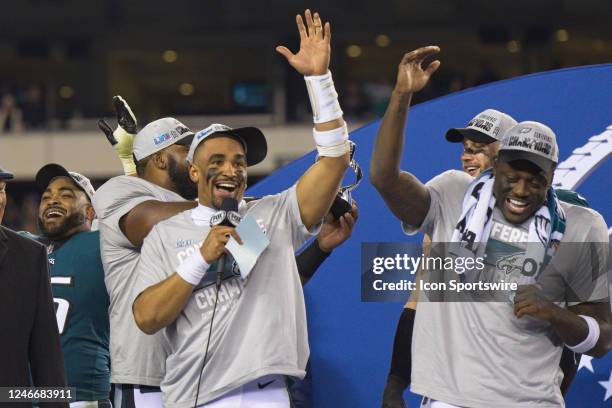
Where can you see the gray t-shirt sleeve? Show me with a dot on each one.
(300, 234)
(446, 190)
(153, 265)
(285, 209)
(120, 195)
(588, 280)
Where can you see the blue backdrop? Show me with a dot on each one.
(351, 341)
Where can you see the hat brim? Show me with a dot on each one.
(253, 140)
(456, 135)
(6, 175)
(256, 144)
(185, 141)
(543, 163)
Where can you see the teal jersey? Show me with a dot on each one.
(81, 305)
(571, 197)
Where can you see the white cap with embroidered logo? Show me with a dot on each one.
(487, 127)
(160, 134)
(531, 141)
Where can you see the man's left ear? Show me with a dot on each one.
(194, 173)
(90, 213)
(494, 162)
(160, 159)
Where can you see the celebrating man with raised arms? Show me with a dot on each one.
(504, 353)
(236, 340)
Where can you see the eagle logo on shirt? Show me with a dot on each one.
(510, 263)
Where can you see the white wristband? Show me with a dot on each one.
(323, 98)
(331, 137)
(591, 339)
(193, 268)
(334, 151)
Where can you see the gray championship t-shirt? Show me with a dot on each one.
(478, 354)
(136, 358)
(260, 323)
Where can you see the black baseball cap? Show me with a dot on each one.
(252, 139)
(47, 173)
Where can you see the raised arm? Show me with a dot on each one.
(122, 138)
(404, 194)
(318, 186)
(138, 222)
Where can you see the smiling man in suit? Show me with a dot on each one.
(30, 352)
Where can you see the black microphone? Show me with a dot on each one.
(227, 214)
(229, 217)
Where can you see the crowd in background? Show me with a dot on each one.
(24, 109)
(21, 214)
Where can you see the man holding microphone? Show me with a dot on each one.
(237, 340)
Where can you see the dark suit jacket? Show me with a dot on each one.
(29, 339)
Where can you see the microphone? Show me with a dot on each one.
(227, 216)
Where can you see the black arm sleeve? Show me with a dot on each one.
(401, 359)
(569, 365)
(46, 357)
(309, 260)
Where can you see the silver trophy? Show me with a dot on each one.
(344, 200)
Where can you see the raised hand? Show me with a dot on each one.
(125, 119)
(411, 77)
(122, 138)
(315, 49)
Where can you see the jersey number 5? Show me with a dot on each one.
(63, 306)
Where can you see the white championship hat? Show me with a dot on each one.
(531, 141)
(487, 127)
(160, 134)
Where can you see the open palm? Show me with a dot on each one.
(315, 49)
(411, 77)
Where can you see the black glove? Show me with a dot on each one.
(122, 138)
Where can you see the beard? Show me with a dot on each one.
(180, 177)
(73, 220)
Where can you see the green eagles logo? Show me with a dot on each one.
(510, 263)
